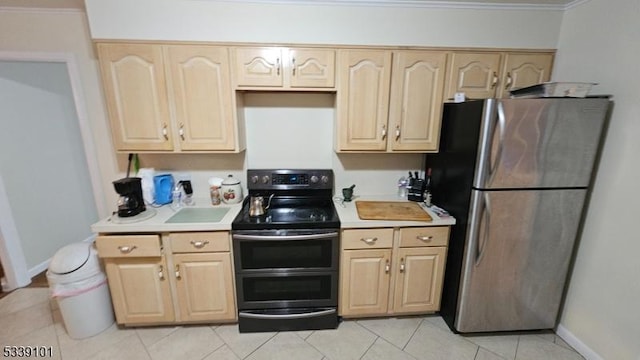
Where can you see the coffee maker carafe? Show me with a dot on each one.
(131, 201)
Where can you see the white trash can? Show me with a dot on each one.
(79, 286)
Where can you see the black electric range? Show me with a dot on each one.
(302, 199)
(287, 259)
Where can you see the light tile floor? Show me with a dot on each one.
(29, 317)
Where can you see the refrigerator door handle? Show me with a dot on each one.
(485, 218)
(500, 129)
(476, 212)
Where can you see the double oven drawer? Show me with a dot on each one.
(288, 277)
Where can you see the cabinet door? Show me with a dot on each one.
(313, 68)
(364, 282)
(200, 88)
(135, 90)
(258, 66)
(419, 274)
(140, 290)
(522, 70)
(204, 286)
(415, 111)
(474, 74)
(363, 99)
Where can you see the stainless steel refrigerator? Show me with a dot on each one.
(515, 173)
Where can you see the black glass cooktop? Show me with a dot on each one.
(314, 215)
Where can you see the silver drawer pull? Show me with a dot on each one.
(199, 244)
(247, 314)
(126, 249)
(370, 241)
(424, 238)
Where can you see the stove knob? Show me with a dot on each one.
(265, 179)
(314, 179)
(254, 179)
(325, 179)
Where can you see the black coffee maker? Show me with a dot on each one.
(130, 202)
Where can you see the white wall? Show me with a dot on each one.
(42, 159)
(600, 42)
(209, 20)
(67, 32)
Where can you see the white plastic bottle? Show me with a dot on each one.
(176, 197)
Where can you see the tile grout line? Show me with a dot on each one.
(254, 350)
(143, 345)
(413, 334)
(219, 347)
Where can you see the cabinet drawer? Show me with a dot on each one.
(424, 236)
(191, 242)
(367, 238)
(118, 246)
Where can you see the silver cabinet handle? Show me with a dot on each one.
(387, 267)
(293, 66)
(384, 132)
(127, 249)
(161, 273)
(401, 265)
(199, 244)
(507, 84)
(495, 80)
(178, 271)
(397, 132)
(278, 66)
(181, 131)
(165, 132)
(369, 241)
(424, 238)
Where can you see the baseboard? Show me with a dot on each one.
(43, 266)
(577, 344)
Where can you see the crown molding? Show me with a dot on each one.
(39, 10)
(436, 4)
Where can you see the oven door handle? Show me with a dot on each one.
(288, 316)
(279, 237)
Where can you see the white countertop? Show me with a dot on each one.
(156, 223)
(349, 215)
(346, 212)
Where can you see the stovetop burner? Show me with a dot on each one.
(302, 200)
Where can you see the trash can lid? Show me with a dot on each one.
(70, 258)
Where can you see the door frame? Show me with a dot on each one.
(11, 254)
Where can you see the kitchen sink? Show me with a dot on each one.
(198, 215)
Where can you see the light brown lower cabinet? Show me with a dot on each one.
(140, 290)
(169, 278)
(392, 271)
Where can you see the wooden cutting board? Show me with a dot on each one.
(391, 210)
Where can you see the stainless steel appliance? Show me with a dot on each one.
(515, 173)
(286, 259)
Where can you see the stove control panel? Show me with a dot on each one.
(290, 179)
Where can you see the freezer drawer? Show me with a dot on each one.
(516, 259)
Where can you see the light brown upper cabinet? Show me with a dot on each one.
(278, 68)
(483, 75)
(170, 98)
(389, 100)
(522, 70)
